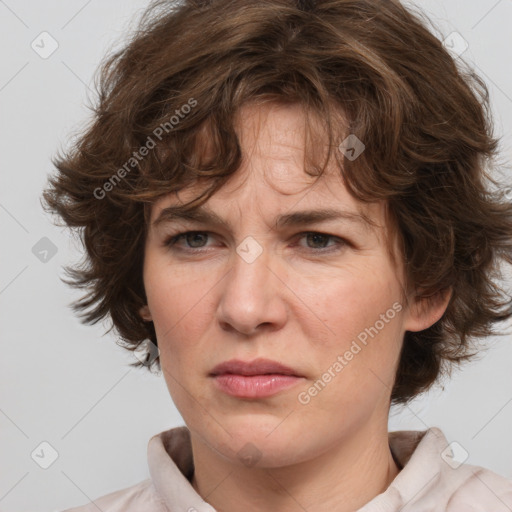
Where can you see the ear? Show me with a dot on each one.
(425, 312)
(145, 313)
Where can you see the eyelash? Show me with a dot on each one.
(173, 239)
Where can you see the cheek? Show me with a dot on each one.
(181, 309)
(355, 364)
(181, 313)
(349, 301)
(361, 327)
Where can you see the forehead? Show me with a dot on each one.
(279, 144)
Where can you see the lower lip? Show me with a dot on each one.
(254, 386)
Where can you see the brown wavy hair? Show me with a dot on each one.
(423, 115)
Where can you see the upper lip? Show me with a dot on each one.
(256, 367)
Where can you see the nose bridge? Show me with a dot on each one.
(250, 296)
(249, 276)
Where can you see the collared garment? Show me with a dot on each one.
(430, 480)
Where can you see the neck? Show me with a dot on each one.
(344, 479)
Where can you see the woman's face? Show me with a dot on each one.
(327, 306)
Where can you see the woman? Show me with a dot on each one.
(328, 159)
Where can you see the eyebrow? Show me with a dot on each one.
(203, 215)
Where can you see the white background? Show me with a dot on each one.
(68, 384)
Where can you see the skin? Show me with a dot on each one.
(301, 302)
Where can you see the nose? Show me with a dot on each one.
(253, 296)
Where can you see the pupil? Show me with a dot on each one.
(193, 236)
(318, 237)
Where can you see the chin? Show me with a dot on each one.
(256, 442)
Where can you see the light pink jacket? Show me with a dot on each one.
(430, 480)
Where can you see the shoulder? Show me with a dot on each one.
(476, 488)
(432, 478)
(142, 496)
(479, 489)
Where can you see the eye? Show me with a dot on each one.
(316, 242)
(319, 240)
(196, 239)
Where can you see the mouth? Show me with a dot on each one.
(254, 379)
(255, 367)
